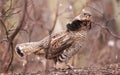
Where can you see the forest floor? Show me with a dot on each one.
(112, 69)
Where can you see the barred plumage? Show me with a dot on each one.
(63, 45)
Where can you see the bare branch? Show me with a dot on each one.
(50, 37)
(4, 26)
(54, 23)
(13, 13)
(107, 21)
(21, 22)
(104, 27)
(9, 7)
(15, 33)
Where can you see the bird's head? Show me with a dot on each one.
(81, 22)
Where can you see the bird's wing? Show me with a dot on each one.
(57, 44)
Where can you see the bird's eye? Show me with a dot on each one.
(86, 14)
(19, 52)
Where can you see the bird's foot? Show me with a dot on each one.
(56, 68)
(69, 66)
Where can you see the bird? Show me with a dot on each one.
(61, 46)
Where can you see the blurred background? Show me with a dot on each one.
(32, 20)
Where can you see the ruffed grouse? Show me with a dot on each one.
(63, 45)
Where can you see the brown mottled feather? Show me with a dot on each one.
(63, 45)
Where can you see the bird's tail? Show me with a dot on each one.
(28, 48)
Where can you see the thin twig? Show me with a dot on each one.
(96, 10)
(8, 8)
(15, 33)
(21, 22)
(50, 31)
(107, 21)
(1, 41)
(9, 15)
(50, 37)
(5, 28)
(104, 27)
